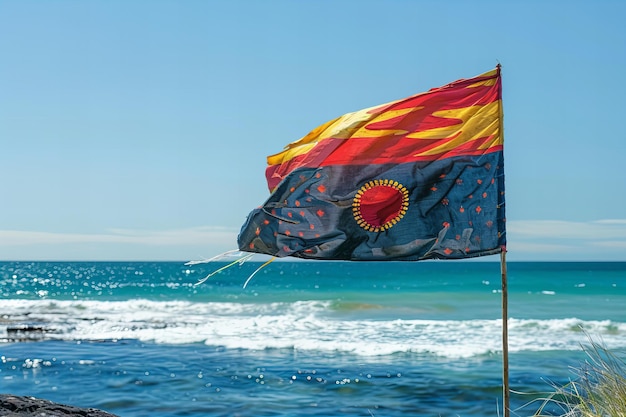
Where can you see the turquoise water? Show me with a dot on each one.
(303, 338)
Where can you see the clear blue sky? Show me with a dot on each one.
(138, 130)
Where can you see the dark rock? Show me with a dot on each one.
(19, 406)
(28, 332)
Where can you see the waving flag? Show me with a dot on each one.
(413, 179)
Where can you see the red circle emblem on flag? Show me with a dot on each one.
(380, 204)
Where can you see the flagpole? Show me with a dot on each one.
(505, 337)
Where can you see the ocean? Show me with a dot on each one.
(302, 338)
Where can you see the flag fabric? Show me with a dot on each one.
(418, 178)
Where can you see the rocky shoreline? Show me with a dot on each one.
(21, 406)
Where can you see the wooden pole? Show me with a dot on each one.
(505, 337)
(505, 303)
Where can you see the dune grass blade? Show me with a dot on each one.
(598, 389)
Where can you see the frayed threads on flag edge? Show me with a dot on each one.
(239, 261)
(257, 270)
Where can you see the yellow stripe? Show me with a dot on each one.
(342, 127)
(300, 146)
(490, 82)
(475, 122)
(486, 83)
(365, 132)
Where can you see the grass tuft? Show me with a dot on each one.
(598, 389)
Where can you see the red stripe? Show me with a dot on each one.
(392, 149)
(451, 98)
(275, 173)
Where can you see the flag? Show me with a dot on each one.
(418, 178)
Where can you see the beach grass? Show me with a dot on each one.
(597, 390)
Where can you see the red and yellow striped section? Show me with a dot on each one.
(461, 118)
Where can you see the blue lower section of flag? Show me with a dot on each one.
(447, 209)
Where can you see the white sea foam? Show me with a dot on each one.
(302, 325)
